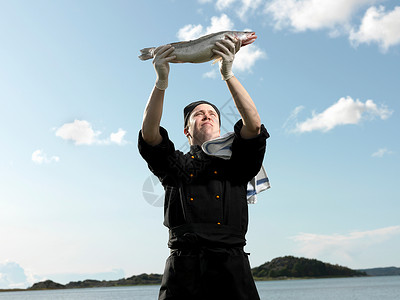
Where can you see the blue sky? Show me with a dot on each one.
(76, 199)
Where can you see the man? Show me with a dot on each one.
(205, 204)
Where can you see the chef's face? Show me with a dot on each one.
(203, 124)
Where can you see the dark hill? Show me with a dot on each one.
(47, 285)
(290, 266)
(134, 280)
(389, 271)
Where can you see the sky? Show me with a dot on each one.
(77, 201)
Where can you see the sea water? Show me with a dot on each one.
(357, 288)
(360, 288)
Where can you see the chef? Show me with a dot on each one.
(205, 204)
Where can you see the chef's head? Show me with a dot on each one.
(202, 121)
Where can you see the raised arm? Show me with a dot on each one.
(245, 105)
(154, 107)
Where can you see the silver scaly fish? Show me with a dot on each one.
(200, 50)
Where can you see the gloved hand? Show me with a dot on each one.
(161, 65)
(227, 49)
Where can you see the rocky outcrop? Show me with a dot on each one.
(294, 267)
(47, 285)
(141, 279)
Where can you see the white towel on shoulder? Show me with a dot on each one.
(221, 147)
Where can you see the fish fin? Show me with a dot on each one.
(147, 53)
(217, 59)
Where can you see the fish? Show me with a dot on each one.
(200, 50)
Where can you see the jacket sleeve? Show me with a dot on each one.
(248, 154)
(157, 157)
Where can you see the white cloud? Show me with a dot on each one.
(381, 152)
(219, 24)
(82, 133)
(191, 32)
(293, 116)
(246, 58)
(118, 137)
(344, 246)
(39, 157)
(302, 15)
(339, 17)
(212, 74)
(12, 275)
(248, 5)
(345, 111)
(242, 9)
(223, 4)
(379, 27)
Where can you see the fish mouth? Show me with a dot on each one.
(250, 38)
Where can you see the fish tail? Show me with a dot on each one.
(147, 53)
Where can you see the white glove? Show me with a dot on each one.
(227, 50)
(161, 65)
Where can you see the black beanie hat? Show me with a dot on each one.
(190, 107)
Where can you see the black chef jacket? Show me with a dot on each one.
(205, 208)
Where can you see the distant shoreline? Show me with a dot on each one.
(281, 268)
(157, 284)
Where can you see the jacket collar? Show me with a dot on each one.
(195, 149)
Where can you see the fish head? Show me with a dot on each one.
(246, 37)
